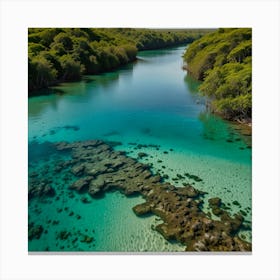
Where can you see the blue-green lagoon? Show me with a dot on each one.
(151, 106)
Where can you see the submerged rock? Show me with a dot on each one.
(77, 170)
(142, 209)
(215, 202)
(141, 155)
(96, 186)
(81, 184)
(39, 188)
(189, 191)
(104, 169)
(34, 231)
(87, 239)
(85, 199)
(63, 235)
(169, 233)
(193, 177)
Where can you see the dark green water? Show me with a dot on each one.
(152, 101)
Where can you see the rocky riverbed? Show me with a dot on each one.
(98, 168)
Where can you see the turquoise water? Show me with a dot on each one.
(152, 101)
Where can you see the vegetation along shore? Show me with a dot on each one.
(65, 54)
(222, 60)
(127, 151)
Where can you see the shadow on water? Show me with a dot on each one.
(105, 80)
(51, 97)
(212, 126)
(48, 91)
(36, 105)
(128, 67)
(109, 79)
(215, 128)
(191, 84)
(40, 151)
(158, 52)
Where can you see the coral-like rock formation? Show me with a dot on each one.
(39, 188)
(34, 231)
(99, 168)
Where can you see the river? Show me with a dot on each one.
(149, 102)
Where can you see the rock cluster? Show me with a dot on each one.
(39, 188)
(34, 231)
(99, 168)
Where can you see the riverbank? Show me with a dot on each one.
(222, 60)
(244, 126)
(65, 54)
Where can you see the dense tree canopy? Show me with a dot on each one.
(223, 61)
(64, 54)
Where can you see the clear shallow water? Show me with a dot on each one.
(152, 101)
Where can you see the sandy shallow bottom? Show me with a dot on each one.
(229, 180)
(110, 220)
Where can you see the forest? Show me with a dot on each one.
(222, 60)
(65, 54)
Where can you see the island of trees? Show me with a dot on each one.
(65, 54)
(222, 60)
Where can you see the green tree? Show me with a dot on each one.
(223, 61)
(71, 52)
(65, 40)
(42, 73)
(72, 70)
